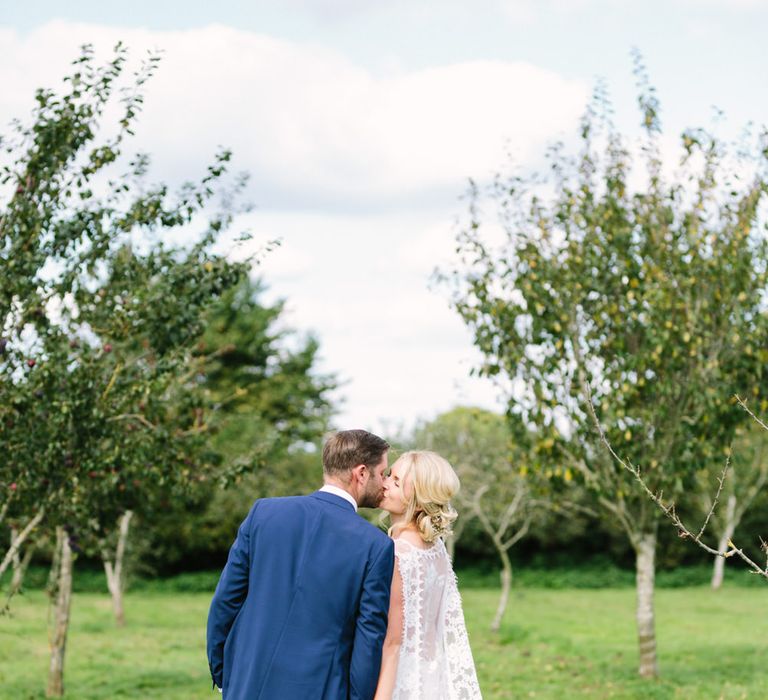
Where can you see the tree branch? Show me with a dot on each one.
(522, 532)
(5, 507)
(720, 482)
(669, 510)
(743, 404)
(20, 539)
(134, 416)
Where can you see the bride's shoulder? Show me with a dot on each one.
(409, 539)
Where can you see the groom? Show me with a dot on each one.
(300, 611)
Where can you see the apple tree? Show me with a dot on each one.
(633, 289)
(100, 312)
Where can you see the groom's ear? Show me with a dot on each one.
(358, 472)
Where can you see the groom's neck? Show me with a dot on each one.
(330, 481)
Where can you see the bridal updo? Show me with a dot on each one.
(433, 484)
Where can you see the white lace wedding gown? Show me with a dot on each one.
(435, 661)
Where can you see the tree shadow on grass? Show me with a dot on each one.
(512, 634)
(155, 683)
(697, 673)
(735, 663)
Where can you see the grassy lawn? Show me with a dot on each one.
(559, 644)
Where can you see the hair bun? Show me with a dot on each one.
(436, 521)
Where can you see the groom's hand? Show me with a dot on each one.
(371, 626)
(230, 594)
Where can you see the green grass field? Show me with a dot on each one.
(558, 644)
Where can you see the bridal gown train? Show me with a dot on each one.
(435, 661)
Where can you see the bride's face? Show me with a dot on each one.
(396, 491)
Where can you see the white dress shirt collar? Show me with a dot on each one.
(336, 491)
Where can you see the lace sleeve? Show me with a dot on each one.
(407, 563)
(435, 661)
(461, 667)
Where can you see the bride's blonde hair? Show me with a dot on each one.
(433, 484)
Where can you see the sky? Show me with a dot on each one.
(361, 121)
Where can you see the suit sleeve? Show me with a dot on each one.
(371, 627)
(230, 594)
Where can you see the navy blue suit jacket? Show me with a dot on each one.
(300, 611)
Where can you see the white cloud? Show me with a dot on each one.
(357, 174)
(402, 351)
(314, 128)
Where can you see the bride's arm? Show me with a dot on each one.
(393, 640)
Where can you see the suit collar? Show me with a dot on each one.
(339, 501)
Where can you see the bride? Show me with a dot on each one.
(426, 653)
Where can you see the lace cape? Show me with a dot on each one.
(435, 661)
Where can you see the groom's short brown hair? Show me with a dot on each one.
(346, 449)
